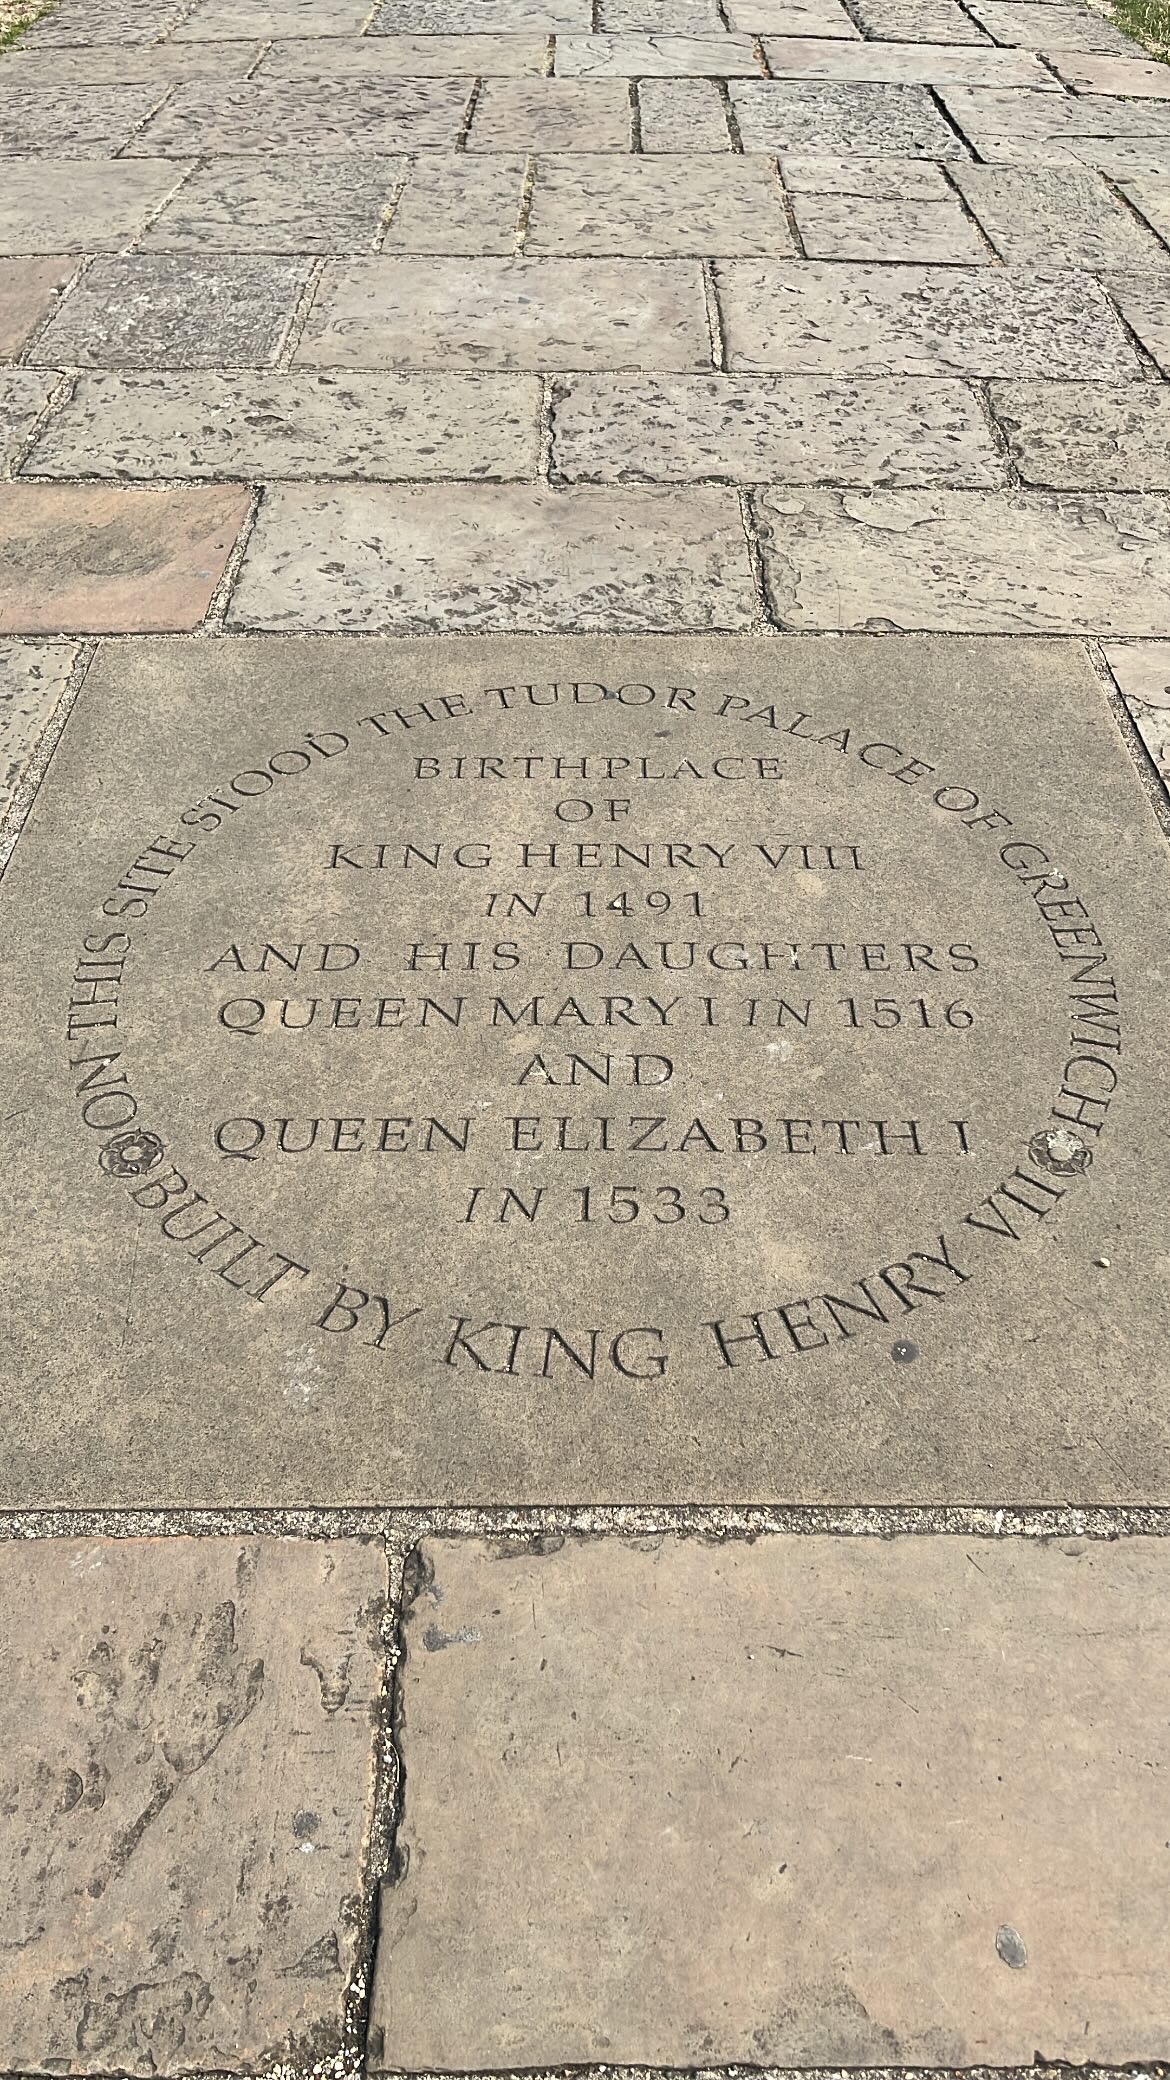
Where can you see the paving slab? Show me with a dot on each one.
(81, 208)
(1151, 195)
(189, 1734)
(295, 424)
(869, 120)
(792, 18)
(769, 429)
(857, 227)
(647, 56)
(462, 17)
(551, 115)
(277, 115)
(644, 17)
(919, 21)
(823, 319)
(293, 205)
(906, 64)
(86, 559)
(909, 1042)
(28, 293)
(84, 22)
(1042, 26)
(1142, 670)
(683, 115)
(24, 393)
(1144, 303)
(1026, 563)
(268, 18)
(901, 1806)
(414, 57)
(661, 207)
(155, 310)
(1089, 73)
(1051, 217)
(48, 67)
(885, 179)
(1087, 436)
(537, 314)
(1120, 137)
(454, 203)
(33, 676)
(79, 122)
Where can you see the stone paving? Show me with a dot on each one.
(359, 1739)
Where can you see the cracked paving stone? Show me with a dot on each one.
(393, 115)
(33, 677)
(29, 290)
(661, 207)
(155, 310)
(88, 559)
(279, 206)
(1052, 217)
(838, 119)
(1087, 436)
(1142, 670)
(187, 1754)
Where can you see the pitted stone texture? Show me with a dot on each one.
(971, 562)
(648, 17)
(24, 393)
(296, 424)
(918, 21)
(658, 206)
(79, 122)
(121, 22)
(155, 310)
(188, 1754)
(761, 429)
(538, 314)
(294, 205)
(800, 18)
(829, 320)
(45, 71)
(476, 557)
(28, 293)
(33, 677)
(1050, 217)
(664, 56)
(1144, 303)
(865, 228)
(886, 180)
(866, 120)
(455, 204)
(682, 115)
(467, 17)
(1043, 26)
(906, 64)
(870, 1758)
(78, 208)
(269, 18)
(1142, 670)
(1090, 73)
(551, 115)
(393, 115)
(1087, 436)
(87, 560)
(1119, 137)
(1151, 196)
(410, 57)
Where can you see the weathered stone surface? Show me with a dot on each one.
(1151, 195)
(24, 393)
(549, 314)
(1142, 670)
(32, 679)
(1087, 436)
(188, 1749)
(642, 17)
(688, 1365)
(1051, 217)
(764, 429)
(413, 57)
(80, 122)
(393, 115)
(1045, 27)
(918, 321)
(45, 70)
(842, 1820)
(888, 180)
(123, 22)
(460, 17)
(1144, 303)
(828, 117)
(89, 560)
(551, 115)
(28, 292)
(76, 208)
(682, 115)
(1118, 137)
(971, 561)
(791, 18)
(267, 18)
(1092, 73)
(646, 56)
(919, 21)
(297, 424)
(310, 205)
(661, 207)
(453, 203)
(152, 310)
(486, 558)
(857, 227)
(906, 64)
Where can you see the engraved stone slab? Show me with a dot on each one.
(529, 1068)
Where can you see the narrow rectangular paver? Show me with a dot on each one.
(973, 562)
(918, 21)
(72, 207)
(372, 57)
(764, 429)
(906, 64)
(1087, 436)
(393, 115)
(478, 557)
(293, 205)
(659, 206)
(266, 18)
(1119, 137)
(88, 559)
(77, 122)
(33, 676)
(121, 22)
(678, 17)
(155, 310)
(29, 290)
(189, 1737)
(859, 227)
(551, 115)
(682, 115)
(1048, 216)
(47, 68)
(836, 119)
(665, 56)
(463, 17)
(454, 203)
(1142, 671)
(792, 18)
(1046, 27)
(297, 424)
(800, 1802)
(550, 314)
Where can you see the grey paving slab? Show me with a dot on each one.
(267, 18)
(919, 21)
(33, 676)
(540, 314)
(485, 557)
(906, 64)
(1044, 119)
(829, 117)
(413, 57)
(1091, 73)
(69, 207)
(79, 122)
(883, 180)
(88, 559)
(682, 115)
(1050, 28)
(280, 205)
(471, 17)
(791, 18)
(765, 429)
(822, 319)
(190, 1737)
(24, 393)
(1024, 563)
(295, 424)
(658, 206)
(647, 56)
(46, 68)
(1151, 195)
(858, 227)
(1142, 671)
(158, 310)
(454, 203)
(29, 290)
(391, 115)
(1144, 303)
(121, 22)
(697, 1359)
(551, 115)
(646, 17)
(823, 1854)
(1087, 436)
(1049, 216)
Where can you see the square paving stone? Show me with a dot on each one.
(537, 314)
(1043, 27)
(280, 206)
(280, 115)
(1052, 217)
(907, 64)
(24, 393)
(412, 57)
(682, 115)
(550, 115)
(658, 206)
(1144, 303)
(268, 18)
(884, 1773)
(667, 56)
(78, 208)
(87, 559)
(791, 18)
(189, 1739)
(80, 122)
(857, 227)
(1090, 73)
(152, 310)
(453, 203)
(919, 21)
(1142, 670)
(1031, 563)
(762, 429)
(823, 319)
(28, 292)
(320, 1178)
(296, 424)
(871, 121)
(1087, 436)
(33, 677)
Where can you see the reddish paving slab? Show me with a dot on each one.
(28, 290)
(86, 559)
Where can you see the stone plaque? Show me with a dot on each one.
(537, 1070)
